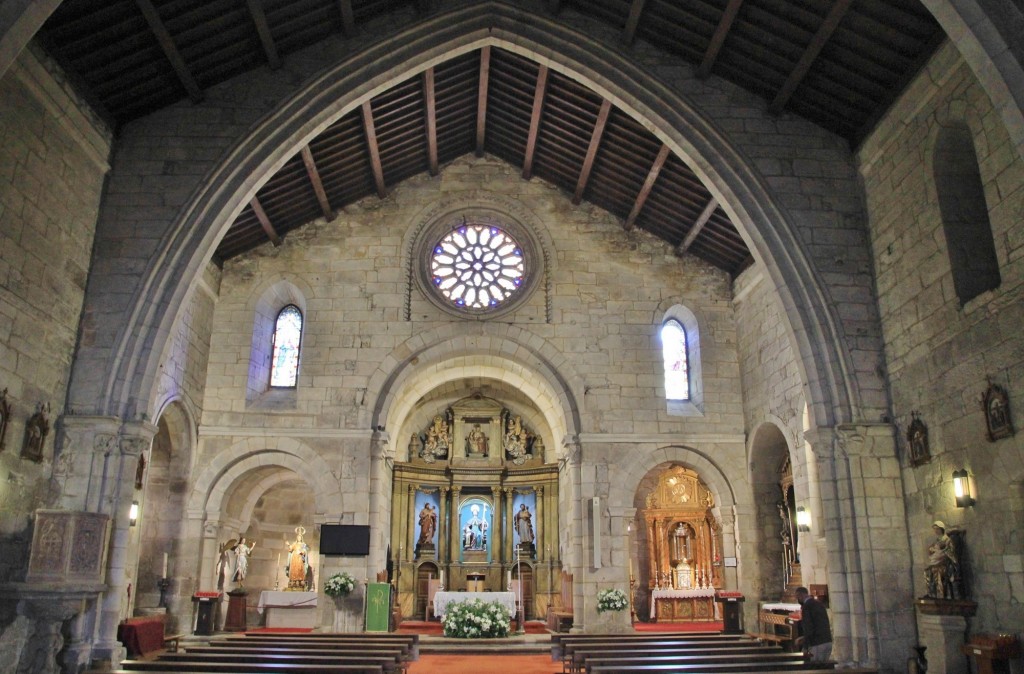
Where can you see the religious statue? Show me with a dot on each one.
(225, 563)
(428, 525)
(36, 429)
(943, 570)
(298, 566)
(242, 551)
(476, 442)
(516, 440)
(524, 526)
(437, 442)
(474, 534)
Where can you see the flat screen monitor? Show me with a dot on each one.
(344, 539)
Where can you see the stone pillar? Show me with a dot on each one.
(506, 535)
(538, 522)
(379, 505)
(575, 527)
(453, 531)
(443, 551)
(116, 499)
(864, 524)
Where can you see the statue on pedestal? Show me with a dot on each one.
(299, 570)
(942, 573)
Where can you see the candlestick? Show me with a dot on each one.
(164, 574)
(442, 578)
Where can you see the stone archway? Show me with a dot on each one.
(188, 242)
(769, 455)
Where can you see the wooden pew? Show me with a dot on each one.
(387, 661)
(712, 669)
(559, 617)
(411, 640)
(403, 650)
(133, 666)
(563, 648)
(776, 628)
(584, 656)
(736, 661)
(410, 646)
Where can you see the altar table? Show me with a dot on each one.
(442, 599)
(288, 609)
(696, 605)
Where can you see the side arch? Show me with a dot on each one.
(214, 483)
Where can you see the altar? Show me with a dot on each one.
(288, 609)
(695, 605)
(442, 599)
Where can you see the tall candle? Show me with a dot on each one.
(442, 578)
(164, 574)
(510, 579)
(277, 569)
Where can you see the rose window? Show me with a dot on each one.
(477, 266)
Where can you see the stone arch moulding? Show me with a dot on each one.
(428, 359)
(177, 406)
(192, 237)
(214, 482)
(623, 489)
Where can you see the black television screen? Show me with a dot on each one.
(344, 539)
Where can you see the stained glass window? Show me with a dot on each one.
(673, 346)
(284, 368)
(477, 267)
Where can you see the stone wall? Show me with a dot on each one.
(940, 354)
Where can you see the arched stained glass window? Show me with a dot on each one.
(284, 368)
(677, 374)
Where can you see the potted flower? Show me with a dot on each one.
(611, 600)
(476, 619)
(339, 585)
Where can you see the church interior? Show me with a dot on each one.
(687, 299)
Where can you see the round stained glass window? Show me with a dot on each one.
(477, 267)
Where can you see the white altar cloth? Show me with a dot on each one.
(779, 606)
(288, 609)
(680, 594)
(442, 599)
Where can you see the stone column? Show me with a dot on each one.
(507, 535)
(864, 525)
(943, 635)
(453, 530)
(442, 517)
(117, 491)
(538, 519)
(575, 527)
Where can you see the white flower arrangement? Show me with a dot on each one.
(339, 585)
(611, 600)
(476, 619)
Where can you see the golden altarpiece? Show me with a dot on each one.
(683, 548)
(475, 508)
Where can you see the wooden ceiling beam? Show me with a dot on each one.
(259, 17)
(481, 98)
(318, 185)
(698, 225)
(595, 142)
(348, 18)
(633, 21)
(535, 115)
(718, 39)
(374, 148)
(431, 103)
(645, 189)
(803, 66)
(166, 42)
(261, 215)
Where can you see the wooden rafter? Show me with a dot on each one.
(698, 225)
(348, 18)
(259, 17)
(163, 37)
(633, 21)
(535, 115)
(481, 98)
(803, 66)
(645, 190)
(261, 215)
(595, 142)
(318, 185)
(718, 39)
(428, 96)
(372, 146)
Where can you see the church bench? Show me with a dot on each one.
(388, 661)
(775, 627)
(714, 669)
(750, 661)
(199, 667)
(559, 641)
(404, 650)
(410, 640)
(583, 658)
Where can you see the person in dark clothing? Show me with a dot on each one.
(817, 634)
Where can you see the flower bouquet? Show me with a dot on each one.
(339, 585)
(476, 619)
(611, 600)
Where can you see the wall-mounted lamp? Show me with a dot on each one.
(803, 519)
(962, 488)
(133, 513)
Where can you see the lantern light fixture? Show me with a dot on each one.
(962, 488)
(133, 513)
(803, 519)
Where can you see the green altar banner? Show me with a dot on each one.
(378, 606)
